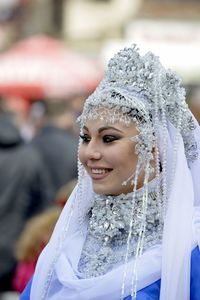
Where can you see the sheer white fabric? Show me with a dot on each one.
(177, 236)
(56, 276)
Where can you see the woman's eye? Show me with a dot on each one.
(85, 138)
(109, 138)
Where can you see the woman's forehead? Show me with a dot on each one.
(100, 125)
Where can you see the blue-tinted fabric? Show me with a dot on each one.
(26, 293)
(195, 275)
(152, 291)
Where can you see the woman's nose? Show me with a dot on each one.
(93, 151)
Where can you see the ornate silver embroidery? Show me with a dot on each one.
(106, 241)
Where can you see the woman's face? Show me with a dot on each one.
(108, 155)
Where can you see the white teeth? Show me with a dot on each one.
(98, 171)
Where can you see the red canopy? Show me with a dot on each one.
(41, 66)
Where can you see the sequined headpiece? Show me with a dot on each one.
(138, 78)
(141, 88)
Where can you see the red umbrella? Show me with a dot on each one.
(41, 66)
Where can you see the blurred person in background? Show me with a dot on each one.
(36, 235)
(24, 190)
(55, 140)
(31, 242)
(75, 105)
(19, 107)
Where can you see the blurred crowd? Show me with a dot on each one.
(38, 166)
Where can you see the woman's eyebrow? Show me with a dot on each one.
(104, 128)
(107, 128)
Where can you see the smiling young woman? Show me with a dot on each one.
(108, 155)
(131, 228)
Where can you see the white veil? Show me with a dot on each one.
(56, 276)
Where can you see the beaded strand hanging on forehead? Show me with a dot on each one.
(139, 89)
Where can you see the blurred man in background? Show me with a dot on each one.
(56, 140)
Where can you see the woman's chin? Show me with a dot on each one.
(103, 190)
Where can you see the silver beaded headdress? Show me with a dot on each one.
(144, 91)
(139, 89)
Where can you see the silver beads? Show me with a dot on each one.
(109, 227)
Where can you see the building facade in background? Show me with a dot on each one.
(96, 26)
